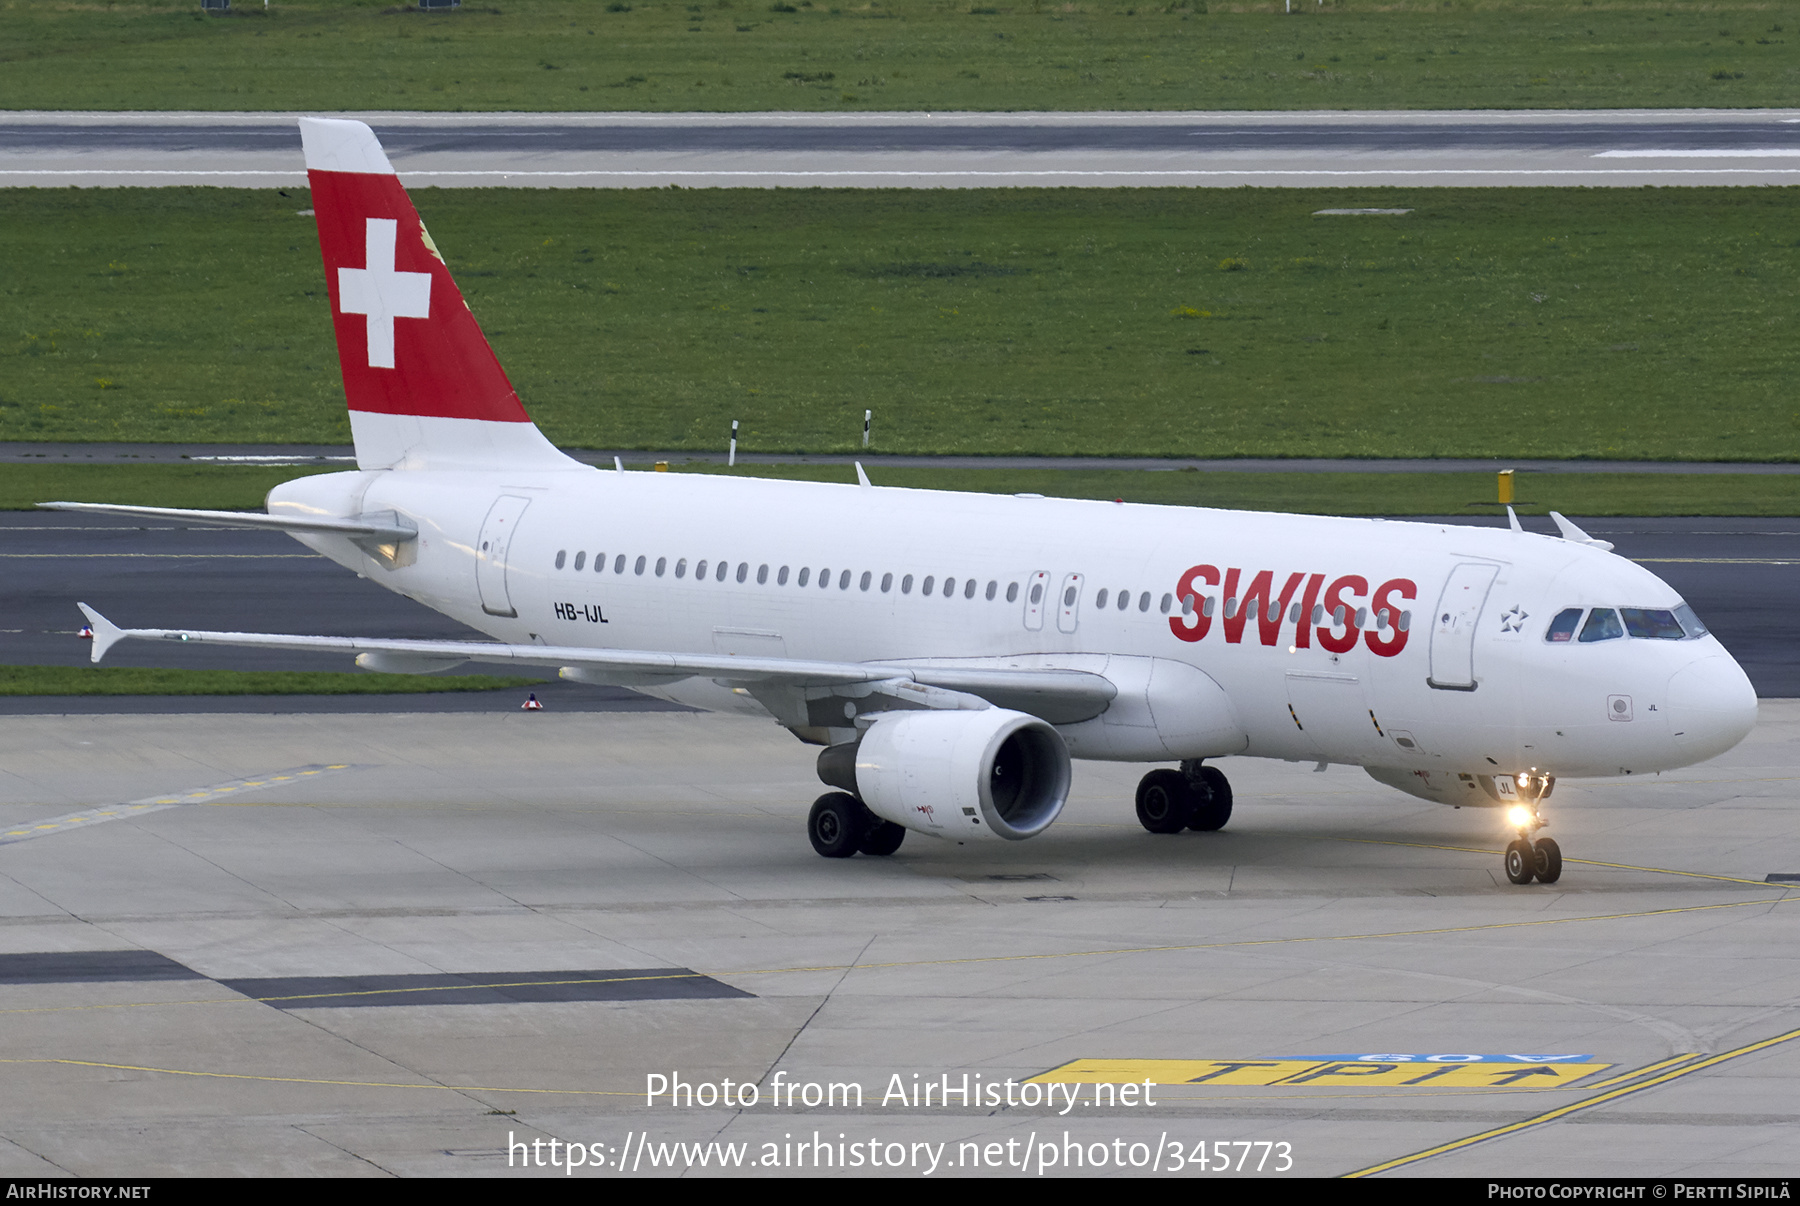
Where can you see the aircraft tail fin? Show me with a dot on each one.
(425, 389)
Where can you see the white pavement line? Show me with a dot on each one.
(89, 817)
(1702, 153)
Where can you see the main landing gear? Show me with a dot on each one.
(1194, 797)
(841, 825)
(1528, 859)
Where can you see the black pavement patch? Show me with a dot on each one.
(87, 967)
(486, 988)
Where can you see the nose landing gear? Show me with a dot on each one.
(1528, 859)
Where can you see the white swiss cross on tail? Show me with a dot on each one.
(382, 293)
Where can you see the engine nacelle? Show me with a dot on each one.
(960, 775)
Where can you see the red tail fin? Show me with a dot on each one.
(417, 369)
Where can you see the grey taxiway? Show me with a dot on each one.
(1628, 148)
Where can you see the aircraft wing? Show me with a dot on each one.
(1057, 696)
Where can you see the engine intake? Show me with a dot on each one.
(960, 775)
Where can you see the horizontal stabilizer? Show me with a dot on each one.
(387, 528)
(1073, 694)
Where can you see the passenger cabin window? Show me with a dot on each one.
(681, 568)
(887, 583)
(560, 554)
(639, 567)
(1012, 592)
(662, 563)
(700, 570)
(719, 573)
(1602, 625)
(580, 560)
(906, 585)
(619, 564)
(992, 587)
(599, 563)
(805, 575)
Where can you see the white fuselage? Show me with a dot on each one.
(1446, 691)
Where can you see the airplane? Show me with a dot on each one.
(951, 652)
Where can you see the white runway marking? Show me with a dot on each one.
(89, 817)
(1733, 153)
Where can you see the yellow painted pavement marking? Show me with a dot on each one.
(205, 795)
(1325, 1073)
(1714, 561)
(1586, 1103)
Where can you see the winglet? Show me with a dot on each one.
(1512, 520)
(1569, 531)
(106, 633)
(862, 479)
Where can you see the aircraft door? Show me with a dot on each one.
(497, 532)
(1035, 590)
(1068, 603)
(1453, 626)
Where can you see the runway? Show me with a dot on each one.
(926, 150)
(408, 945)
(1739, 574)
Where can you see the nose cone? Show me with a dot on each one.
(1712, 707)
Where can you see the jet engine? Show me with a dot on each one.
(992, 773)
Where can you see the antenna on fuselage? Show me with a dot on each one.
(1512, 520)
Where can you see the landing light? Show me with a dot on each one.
(1519, 816)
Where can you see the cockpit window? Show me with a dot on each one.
(1602, 625)
(1562, 628)
(1645, 624)
(1690, 622)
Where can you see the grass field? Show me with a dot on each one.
(822, 55)
(1625, 323)
(99, 680)
(1316, 493)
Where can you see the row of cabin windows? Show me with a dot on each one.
(719, 571)
(1339, 615)
(1121, 600)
